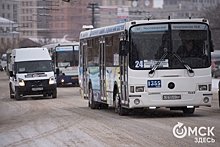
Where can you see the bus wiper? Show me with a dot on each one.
(38, 71)
(67, 65)
(183, 63)
(158, 63)
(23, 72)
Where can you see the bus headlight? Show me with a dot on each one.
(139, 89)
(21, 82)
(52, 80)
(203, 87)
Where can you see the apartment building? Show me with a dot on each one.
(69, 19)
(9, 36)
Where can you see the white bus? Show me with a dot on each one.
(65, 57)
(136, 65)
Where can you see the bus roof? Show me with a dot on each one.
(61, 44)
(122, 26)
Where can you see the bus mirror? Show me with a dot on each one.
(123, 49)
(11, 73)
(57, 71)
(211, 46)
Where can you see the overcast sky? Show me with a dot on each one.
(158, 3)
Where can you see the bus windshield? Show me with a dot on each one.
(67, 56)
(171, 44)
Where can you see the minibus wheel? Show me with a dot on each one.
(54, 95)
(17, 95)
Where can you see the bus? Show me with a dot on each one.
(135, 65)
(65, 58)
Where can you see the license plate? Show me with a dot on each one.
(154, 83)
(37, 89)
(74, 77)
(171, 97)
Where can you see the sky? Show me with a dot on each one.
(158, 3)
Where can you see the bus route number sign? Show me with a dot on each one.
(154, 83)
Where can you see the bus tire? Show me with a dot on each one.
(123, 111)
(104, 106)
(92, 103)
(188, 110)
(115, 102)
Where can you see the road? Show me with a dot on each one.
(67, 121)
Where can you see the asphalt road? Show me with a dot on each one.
(67, 121)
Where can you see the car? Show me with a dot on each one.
(28, 75)
(215, 63)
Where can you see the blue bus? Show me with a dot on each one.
(65, 58)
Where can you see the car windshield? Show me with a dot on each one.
(150, 43)
(34, 66)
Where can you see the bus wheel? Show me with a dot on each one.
(17, 95)
(188, 110)
(92, 104)
(104, 106)
(123, 111)
(115, 102)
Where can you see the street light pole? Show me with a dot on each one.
(93, 6)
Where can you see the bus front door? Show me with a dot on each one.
(102, 69)
(84, 69)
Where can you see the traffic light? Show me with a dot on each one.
(66, 0)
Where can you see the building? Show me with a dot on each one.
(113, 12)
(188, 8)
(52, 19)
(9, 9)
(9, 37)
(142, 9)
(69, 19)
(189, 4)
(28, 18)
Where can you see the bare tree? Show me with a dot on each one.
(213, 15)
